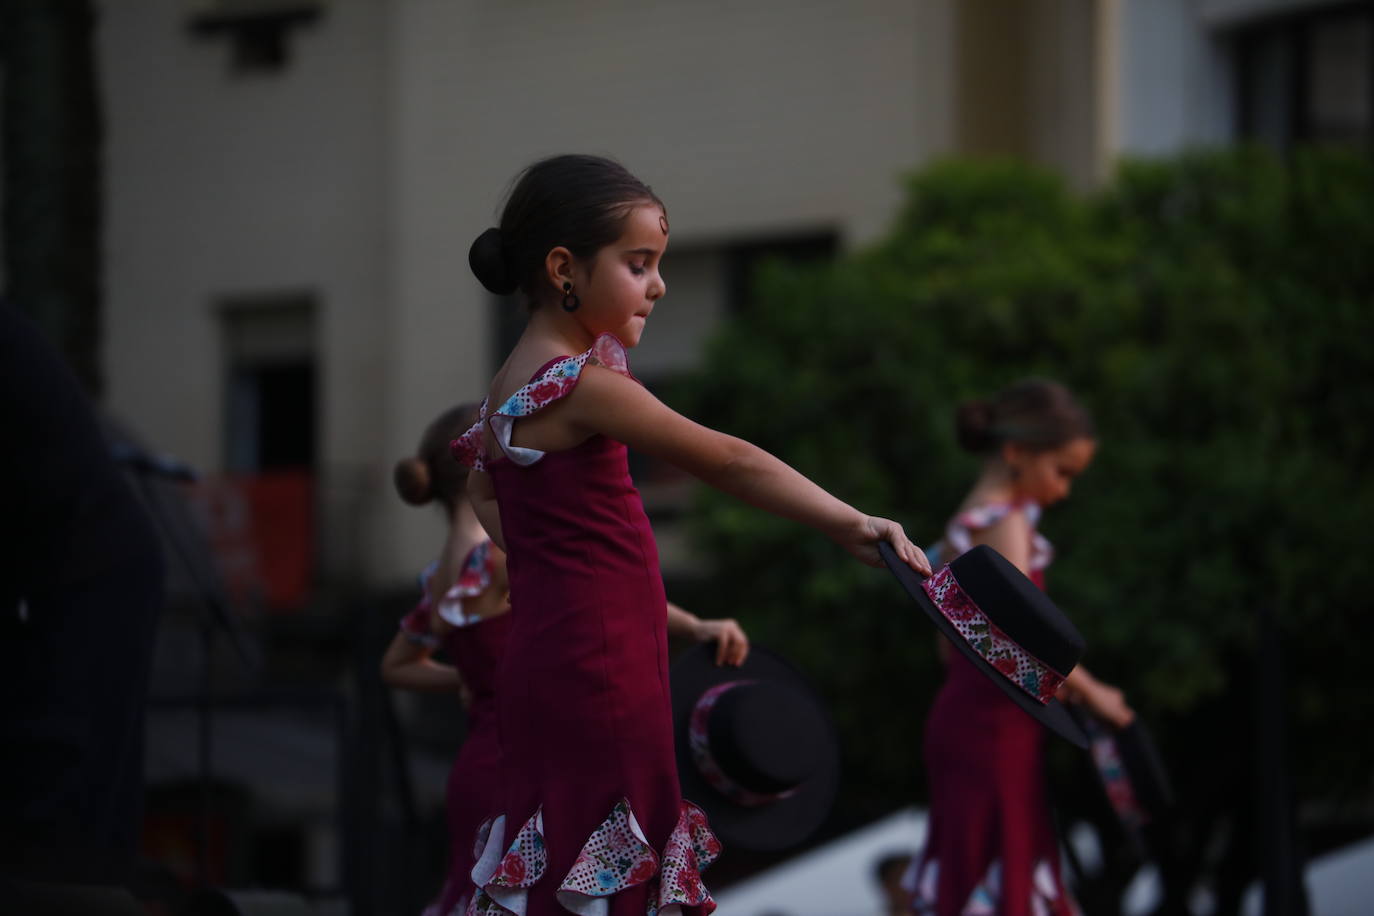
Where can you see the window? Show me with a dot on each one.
(270, 389)
(261, 514)
(258, 30)
(1308, 78)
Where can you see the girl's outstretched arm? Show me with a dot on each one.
(618, 407)
(732, 645)
(408, 665)
(482, 495)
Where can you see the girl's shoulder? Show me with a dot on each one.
(981, 516)
(551, 382)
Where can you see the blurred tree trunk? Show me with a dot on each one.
(52, 137)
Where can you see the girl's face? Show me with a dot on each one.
(619, 287)
(1046, 477)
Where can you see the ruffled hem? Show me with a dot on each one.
(1047, 895)
(616, 857)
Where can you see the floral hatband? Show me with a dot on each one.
(988, 641)
(698, 740)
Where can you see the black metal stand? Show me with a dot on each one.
(215, 617)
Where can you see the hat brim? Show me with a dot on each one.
(1052, 715)
(769, 827)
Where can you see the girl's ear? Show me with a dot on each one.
(558, 266)
(1013, 456)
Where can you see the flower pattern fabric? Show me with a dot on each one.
(690, 849)
(995, 647)
(1107, 758)
(958, 537)
(700, 744)
(551, 384)
(1046, 899)
(473, 579)
(503, 878)
(617, 856)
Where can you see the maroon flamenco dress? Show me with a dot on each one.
(590, 819)
(474, 645)
(991, 848)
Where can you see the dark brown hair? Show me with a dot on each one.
(1037, 414)
(432, 472)
(575, 201)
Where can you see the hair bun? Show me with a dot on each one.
(973, 426)
(487, 258)
(412, 479)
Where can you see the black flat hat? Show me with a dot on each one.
(755, 746)
(1003, 623)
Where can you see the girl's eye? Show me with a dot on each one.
(637, 269)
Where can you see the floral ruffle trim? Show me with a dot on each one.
(551, 384)
(691, 847)
(958, 537)
(616, 857)
(503, 879)
(1047, 897)
(473, 579)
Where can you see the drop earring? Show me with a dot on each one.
(570, 300)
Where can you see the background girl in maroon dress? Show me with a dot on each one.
(461, 613)
(991, 846)
(591, 819)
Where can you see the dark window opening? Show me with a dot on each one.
(1308, 78)
(272, 416)
(745, 258)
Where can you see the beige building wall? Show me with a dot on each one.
(225, 186)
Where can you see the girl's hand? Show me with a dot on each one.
(1103, 700)
(732, 646)
(863, 543)
(1109, 703)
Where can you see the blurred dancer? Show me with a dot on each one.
(991, 846)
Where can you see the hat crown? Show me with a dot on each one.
(1018, 607)
(766, 736)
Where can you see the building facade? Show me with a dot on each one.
(293, 184)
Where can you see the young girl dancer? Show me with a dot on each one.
(462, 612)
(991, 846)
(591, 819)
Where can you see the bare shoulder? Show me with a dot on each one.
(600, 390)
(1010, 535)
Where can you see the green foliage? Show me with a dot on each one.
(1214, 310)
